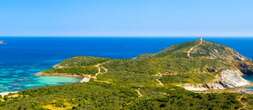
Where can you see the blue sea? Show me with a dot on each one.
(22, 57)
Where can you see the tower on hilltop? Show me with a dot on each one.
(201, 41)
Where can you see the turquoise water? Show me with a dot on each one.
(250, 78)
(52, 80)
(14, 78)
(23, 57)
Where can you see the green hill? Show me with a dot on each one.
(196, 75)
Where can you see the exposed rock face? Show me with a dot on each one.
(233, 78)
(229, 75)
(227, 79)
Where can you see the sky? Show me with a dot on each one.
(126, 17)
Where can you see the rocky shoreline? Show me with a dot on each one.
(228, 79)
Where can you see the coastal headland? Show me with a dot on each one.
(198, 74)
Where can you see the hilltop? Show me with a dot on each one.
(209, 65)
(163, 80)
(198, 65)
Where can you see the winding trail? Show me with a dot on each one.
(158, 80)
(191, 49)
(244, 104)
(138, 92)
(100, 68)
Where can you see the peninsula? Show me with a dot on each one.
(194, 75)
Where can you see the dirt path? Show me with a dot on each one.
(105, 69)
(191, 49)
(100, 68)
(244, 104)
(158, 80)
(138, 92)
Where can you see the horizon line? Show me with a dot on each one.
(134, 36)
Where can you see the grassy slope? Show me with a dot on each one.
(132, 84)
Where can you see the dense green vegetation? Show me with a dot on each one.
(149, 82)
(77, 66)
(94, 96)
(74, 70)
(82, 61)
